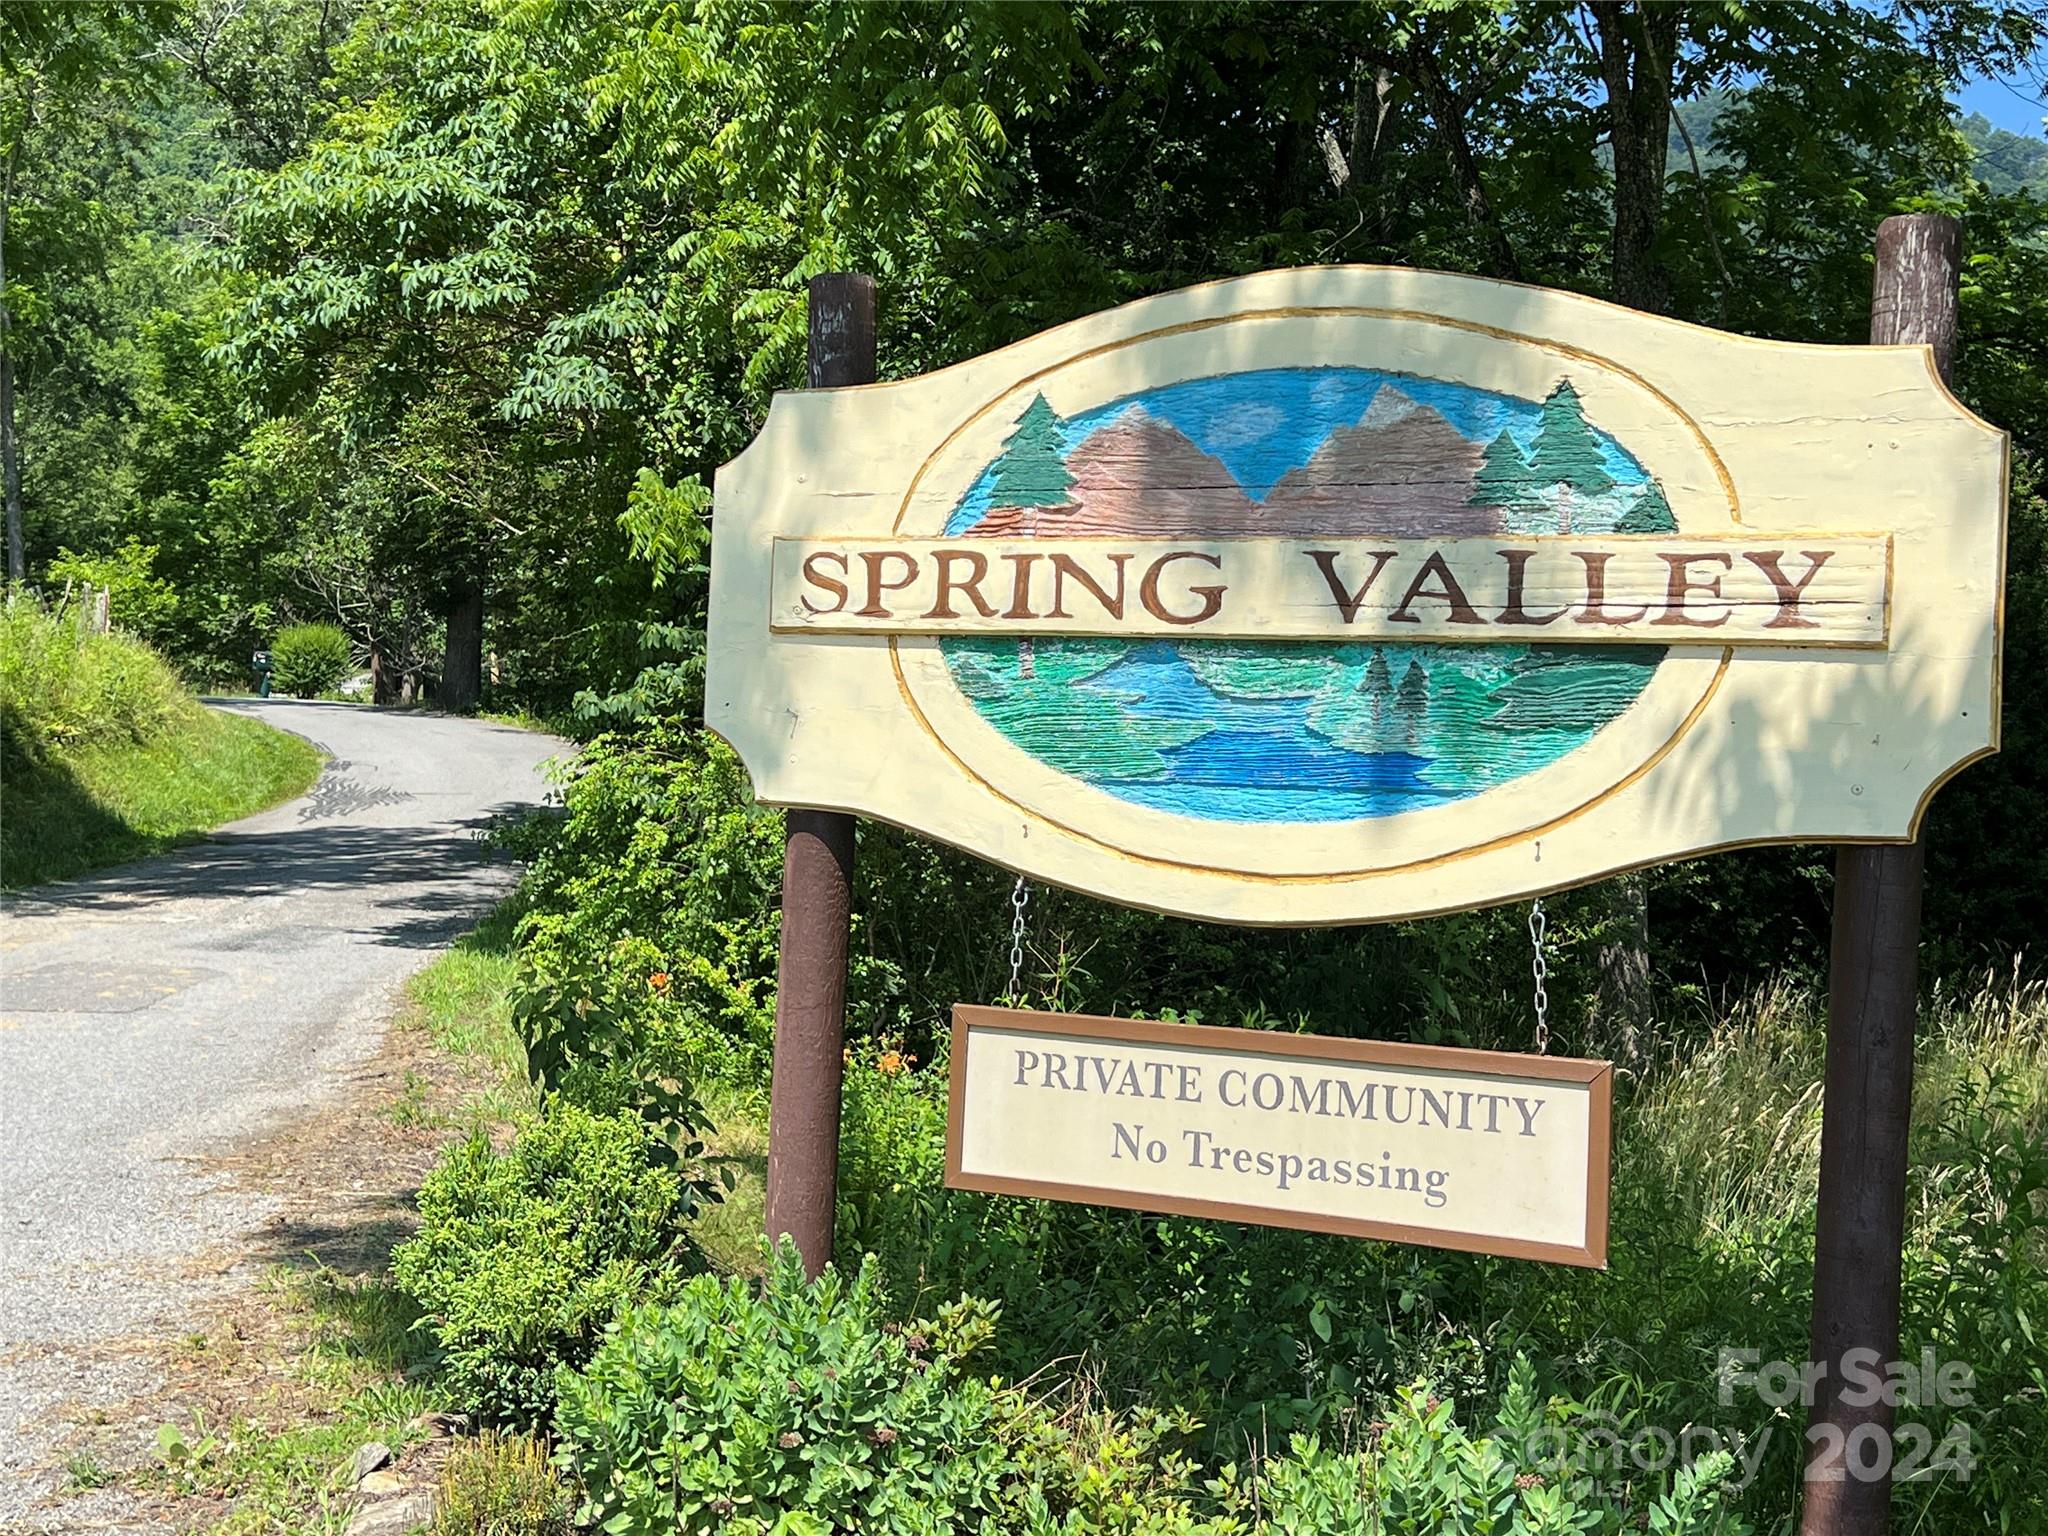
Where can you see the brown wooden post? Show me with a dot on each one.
(817, 898)
(1873, 984)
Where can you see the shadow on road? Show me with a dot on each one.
(428, 873)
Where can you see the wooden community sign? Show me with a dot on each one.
(1340, 595)
(1345, 594)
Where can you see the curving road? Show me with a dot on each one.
(154, 1014)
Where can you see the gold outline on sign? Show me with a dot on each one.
(1310, 312)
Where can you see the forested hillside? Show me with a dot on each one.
(433, 320)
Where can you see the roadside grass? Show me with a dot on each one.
(105, 805)
(1734, 1127)
(105, 756)
(358, 1371)
(463, 1003)
(520, 720)
(86, 1471)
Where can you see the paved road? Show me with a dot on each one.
(154, 1014)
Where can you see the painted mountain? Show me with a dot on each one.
(1312, 732)
(1400, 469)
(1403, 470)
(1138, 477)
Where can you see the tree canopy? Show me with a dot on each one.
(433, 317)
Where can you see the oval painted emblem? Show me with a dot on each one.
(1303, 732)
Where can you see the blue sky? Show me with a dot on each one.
(2012, 105)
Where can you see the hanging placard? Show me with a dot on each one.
(1478, 1150)
(1345, 594)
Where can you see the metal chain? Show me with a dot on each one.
(1020, 898)
(1540, 969)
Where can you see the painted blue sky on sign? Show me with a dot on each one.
(1263, 423)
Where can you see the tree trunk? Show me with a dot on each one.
(1447, 114)
(1638, 54)
(383, 684)
(462, 663)
(10, 452)
(10, 446)
(1372, 93)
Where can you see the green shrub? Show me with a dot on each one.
(789, 1407)
(662, 866)
(655, 898)
(310, 659)
(524, 1255)
(1531, 1474)
(501, 1485)
(793, 1408)
(582, 1045)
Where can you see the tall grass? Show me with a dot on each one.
(1733, 1127)
(64, 687)
(105, 755)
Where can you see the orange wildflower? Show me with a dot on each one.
(889, 1063)
(658, 980)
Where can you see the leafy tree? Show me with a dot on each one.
(2005, 162)
(268, 66)
(72, 75)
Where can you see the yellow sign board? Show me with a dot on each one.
(1343, 594)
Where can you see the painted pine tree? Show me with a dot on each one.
(1378, 683)
(1650, 514)
(1567, 454)
(1031, 473)
(1032, 470)
(1505, 479)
